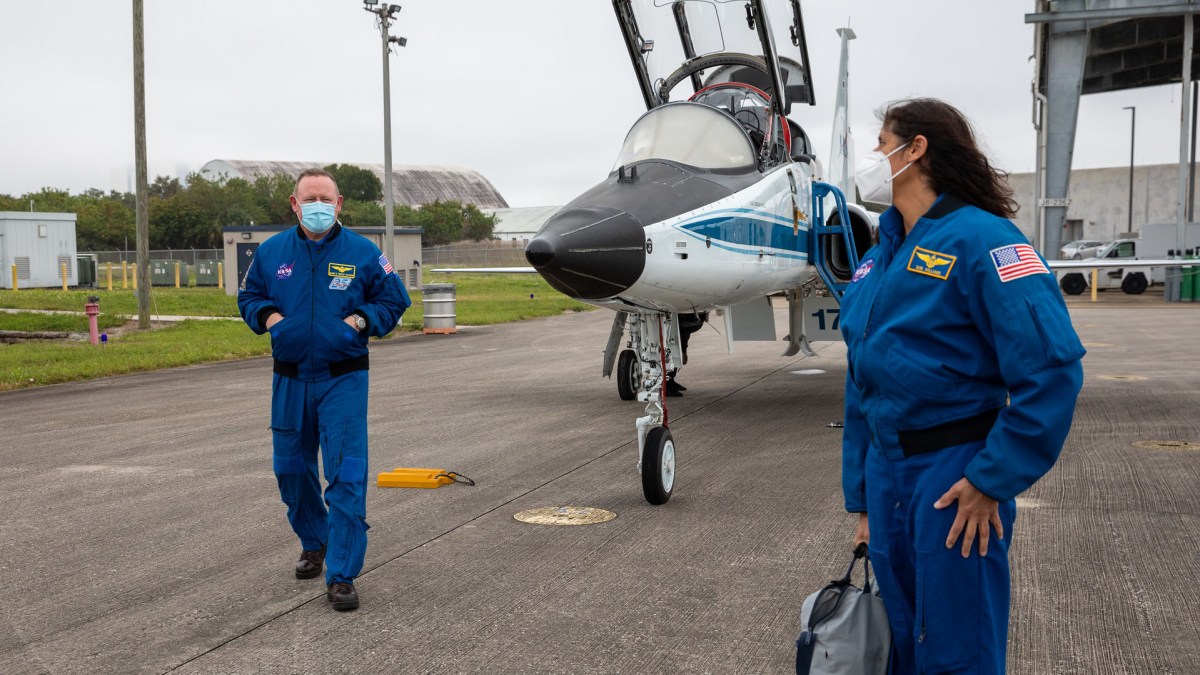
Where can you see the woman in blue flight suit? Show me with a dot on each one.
(962, 379)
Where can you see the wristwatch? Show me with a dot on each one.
(360, 323)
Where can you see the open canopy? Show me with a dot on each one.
(678, 47)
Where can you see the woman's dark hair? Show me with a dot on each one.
(953, 162)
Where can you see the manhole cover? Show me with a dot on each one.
(1125, 378)
(1167, 445)
(565, 515)
(809, 371)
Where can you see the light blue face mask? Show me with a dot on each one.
(317, 217)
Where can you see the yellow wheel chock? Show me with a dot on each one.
(420, 478)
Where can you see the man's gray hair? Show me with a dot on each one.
(315, 172)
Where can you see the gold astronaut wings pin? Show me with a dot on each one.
(341, 270)
(931, 263)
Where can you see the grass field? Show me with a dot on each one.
(483, 299)
(179, 301)
(70, 323)
(480, 299)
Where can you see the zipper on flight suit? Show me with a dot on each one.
(312, 301)
(894, 258)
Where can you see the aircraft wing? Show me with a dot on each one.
(1117, 262)
(485, 270)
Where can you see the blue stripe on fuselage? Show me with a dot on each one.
(737, 231)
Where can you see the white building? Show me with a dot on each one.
(241, 241)
(411, 185)
(520, 224)
(1099, 206)
(37, 245)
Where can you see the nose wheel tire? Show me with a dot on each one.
(629, 375)
(658, 466)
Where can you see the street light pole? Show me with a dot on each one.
(386, 13)
(141, 212)
(1132, 130)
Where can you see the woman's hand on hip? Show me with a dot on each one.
(975, 512)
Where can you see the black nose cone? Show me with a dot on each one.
(589, 252)
(540, 252)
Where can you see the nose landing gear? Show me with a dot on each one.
(654, 348)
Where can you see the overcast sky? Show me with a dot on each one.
(536, 95)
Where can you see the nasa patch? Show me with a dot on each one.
(863, 270)
(284, 271)
(339, 283)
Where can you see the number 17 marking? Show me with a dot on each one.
(820, 316)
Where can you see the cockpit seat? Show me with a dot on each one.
(751, 107)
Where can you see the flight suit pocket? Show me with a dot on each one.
(948, 611)
(921, 376)
(345, 453)
(353, 470)
(287, 342)
(338, 339)
(286, 394)
(1043, 335)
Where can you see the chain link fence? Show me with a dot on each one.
(188, 255)
(491, 254)
(484, 254)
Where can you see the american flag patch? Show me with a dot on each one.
(387, 266)
(1016, 261)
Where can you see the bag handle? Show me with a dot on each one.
(860, 553)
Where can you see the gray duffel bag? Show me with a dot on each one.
(845, 628)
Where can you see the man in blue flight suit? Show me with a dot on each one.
(963, 375)
(321, 290)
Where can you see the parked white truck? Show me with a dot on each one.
(1153, 243)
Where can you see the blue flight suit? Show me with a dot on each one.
(319, 390)
(962, 362)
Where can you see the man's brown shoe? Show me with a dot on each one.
(343, 596)
(309, 564)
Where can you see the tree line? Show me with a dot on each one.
(191, 214)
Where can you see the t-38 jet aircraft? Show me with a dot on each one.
(713, 202)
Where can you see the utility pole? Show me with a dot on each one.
(139, 151)
(1132, 129)
(386, 13)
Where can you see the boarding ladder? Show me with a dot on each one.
(820, 231)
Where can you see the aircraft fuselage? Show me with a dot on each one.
(664, 236)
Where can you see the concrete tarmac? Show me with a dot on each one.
(141, 530)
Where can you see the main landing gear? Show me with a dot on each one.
(629, 375)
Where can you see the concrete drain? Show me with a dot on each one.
(1125, 378)
(565, 515)
(1167, 445)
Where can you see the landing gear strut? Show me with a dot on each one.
(654, 342)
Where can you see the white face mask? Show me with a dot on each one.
(874, 176)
